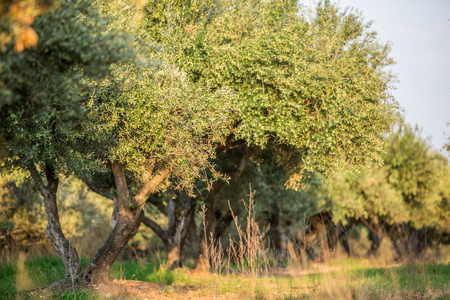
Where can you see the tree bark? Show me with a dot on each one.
(175, 237)
(129, 215)
(223, 223)
(175, 255)
(65, 250)
(410, 243)
(343, 238)
(319, 225)
(376, 236)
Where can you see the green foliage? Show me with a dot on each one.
(317, 86)
(40, 107)
(22, 218)
(421, 175)
(367, 195)
(412, 187)
(155, 119)
(84, 215)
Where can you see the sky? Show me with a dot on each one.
(419, 33)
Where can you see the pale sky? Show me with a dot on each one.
(419, 32)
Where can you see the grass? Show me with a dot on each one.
(353, 279)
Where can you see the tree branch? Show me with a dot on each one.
(230, 145)
(121, 183)
(35, 175)
(171, 209)
(156, 228)
(93, 187)
(159, 205)
(150, 185)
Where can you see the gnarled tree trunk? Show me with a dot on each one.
(376, 236)
(277, 233)
(128, 216)
(67, 252)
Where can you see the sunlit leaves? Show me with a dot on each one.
(155, 118)
(411, 187)
(316, 85)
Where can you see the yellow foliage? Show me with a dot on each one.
(18, 15)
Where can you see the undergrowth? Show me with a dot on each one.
(248, 270)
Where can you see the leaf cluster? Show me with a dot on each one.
(40, 106)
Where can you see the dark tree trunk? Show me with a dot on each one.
(318, 225)
(65, 250)
(127, 225)
(223, 223)
(343, 238)
(376, 236)
(409, 242)
(207, 227)
(277, 233)
(336, 236)
(173, 238)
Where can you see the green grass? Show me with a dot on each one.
(144, 272)
(40, 272)
(418, 278)
(349, 280)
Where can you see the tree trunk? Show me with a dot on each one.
(343, 238)
(65, 250)
(223, 223)
(174, 238)
(129, 215)
(277, 233)
(176, 258)
(207, 229)
(127, 225)
(376, 236)
(409, 242)
(319, 225)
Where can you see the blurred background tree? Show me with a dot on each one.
(405, 200)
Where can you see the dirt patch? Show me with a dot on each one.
(132, 289)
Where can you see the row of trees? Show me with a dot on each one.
(407, 199)
(165, 103)
(313, 220)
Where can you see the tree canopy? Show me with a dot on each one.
(411, 188)
(315, 87)
(40, 106)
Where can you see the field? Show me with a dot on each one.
(338, 279)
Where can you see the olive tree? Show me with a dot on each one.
(405, 200)
(40, 107)
(312, 89)
(87, 101)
